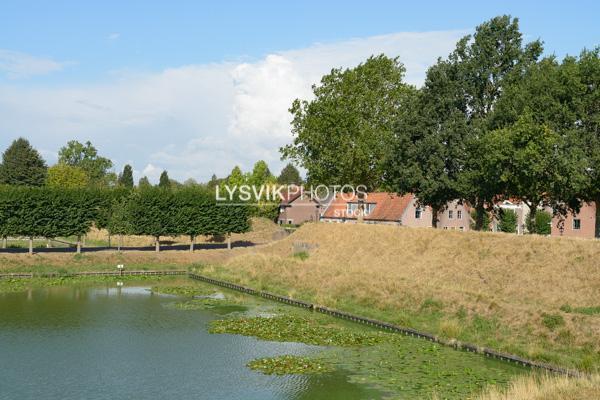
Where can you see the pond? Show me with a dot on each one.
(80, 341)
(126, 343)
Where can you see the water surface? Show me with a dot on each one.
(127, 343)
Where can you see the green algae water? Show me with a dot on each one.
(79, 342)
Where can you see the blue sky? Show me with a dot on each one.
(196, 88)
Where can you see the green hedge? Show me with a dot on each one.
(47, 212)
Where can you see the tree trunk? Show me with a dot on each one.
(192, 241)
(435, 211)
(4, 244)
(157, 243)
(78, 244)
(30, 245)
(229, 241)
(532, 213)
(597, 204)
(479, 215)
(120, 242)
(109, 236)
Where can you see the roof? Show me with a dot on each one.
(388, 206)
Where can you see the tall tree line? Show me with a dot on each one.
(493, 119)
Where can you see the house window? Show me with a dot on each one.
(450, 214)
(290, 221)
(369, 207)
(352, 209)
(576, 224)
(459, 214)
(462, 228)
(418, 213)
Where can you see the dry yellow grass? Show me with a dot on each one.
(508, 278)
(548, 388)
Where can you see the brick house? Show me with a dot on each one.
(582, 225)
(393, 209)
(297, 208)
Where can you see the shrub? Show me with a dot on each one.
(508, 221)
(552, 321)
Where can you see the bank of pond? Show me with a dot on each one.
(133, 337)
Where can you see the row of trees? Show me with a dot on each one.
(48, 212)
(494, 119)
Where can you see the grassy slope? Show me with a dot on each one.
(548, 388)
(499, 290)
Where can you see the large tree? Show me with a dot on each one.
(126, 177)
(536, 164)
(164, 182)
(67, 177)
(289, 176)
(589, 74)
(343, 135)
(436, 140)
(22, 165)
(85, 156)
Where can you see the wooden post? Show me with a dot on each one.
(157, 244)
(229, 241)
(192, 242)
(4, 240)
(79, 244)
(30, 245)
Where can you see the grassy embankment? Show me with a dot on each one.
(537, 297)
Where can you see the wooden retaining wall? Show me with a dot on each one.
(93, 273)
(392, 328)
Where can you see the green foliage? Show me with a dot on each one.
(508, 221)
(47, 212)
(301, 255)
(289, 176)
(284, 365)
(85, 156)
(541, 224)
(580, 310)
(286, 328)
(126, 177)
(164, 181)
(436, 151)
(552, 321)
(261, 175)
(22, 165)
(119, 222)
(67, 177)
(344, 134)
(144, 183)
(236, 178)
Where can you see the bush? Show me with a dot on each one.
(543, 221)
(552, 321)
(508, 221)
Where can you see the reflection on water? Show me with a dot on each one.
(123, 343)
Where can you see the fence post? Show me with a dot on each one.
(30, 245)
(157, 244)
(229, 241)
(192, 241)
(79, 244)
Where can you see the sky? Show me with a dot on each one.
(199, 87)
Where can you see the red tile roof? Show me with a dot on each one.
(388, 206)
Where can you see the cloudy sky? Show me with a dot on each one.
(197, 89)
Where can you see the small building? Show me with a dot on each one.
(456, 216)
(378, 208)
(582, 225)
(297, 208)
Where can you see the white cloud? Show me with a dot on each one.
(114, 36)
(200, 119)
(20, 65)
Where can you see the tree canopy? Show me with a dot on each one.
(342, 136)
(85, 156)
(289, 176)
(22, 165)
(126, 177)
